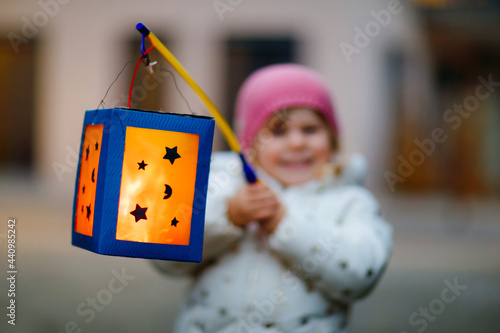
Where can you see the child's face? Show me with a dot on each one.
(296, 147)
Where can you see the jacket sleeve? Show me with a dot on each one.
(220, 235)
(339, 244)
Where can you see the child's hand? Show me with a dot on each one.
(255, 202)
(269, 224)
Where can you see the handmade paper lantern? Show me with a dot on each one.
(141, 184)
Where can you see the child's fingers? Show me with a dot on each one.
(251, 203)
(260, 193)
(261, 202)
(265, 212)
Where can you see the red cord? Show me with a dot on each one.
(135, 71)
(132, 83)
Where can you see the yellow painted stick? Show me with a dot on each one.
(223, 125)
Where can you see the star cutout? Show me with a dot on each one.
(168, 191)
(174, 222)
(88, 211)
(93, 176)
(171, 154)
(96, 145)
(82, 208)
(142, 165)
(87, 151)
(139, 213)
(83, 189)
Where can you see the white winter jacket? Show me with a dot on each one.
(329, 250)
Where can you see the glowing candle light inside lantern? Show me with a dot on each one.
(157, 186)
(87, 183)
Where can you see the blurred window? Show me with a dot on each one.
(16, 106)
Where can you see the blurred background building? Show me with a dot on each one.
(417, 89)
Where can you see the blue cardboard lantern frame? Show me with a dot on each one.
(108, 183)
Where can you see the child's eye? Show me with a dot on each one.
(310, 129)
(278, 130)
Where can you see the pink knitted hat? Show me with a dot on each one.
(274, 88)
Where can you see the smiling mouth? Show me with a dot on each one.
(297, 164)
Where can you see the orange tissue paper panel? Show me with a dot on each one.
(89, 165)
(157, 186)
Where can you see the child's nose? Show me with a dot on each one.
(296, 139)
